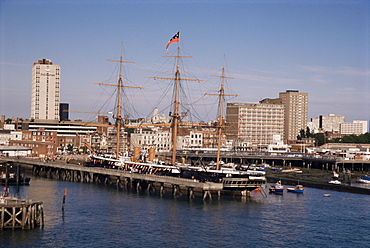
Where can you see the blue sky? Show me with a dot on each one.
(318, 47)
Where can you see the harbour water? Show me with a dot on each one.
(100, 216)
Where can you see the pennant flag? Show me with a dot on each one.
(175, 38)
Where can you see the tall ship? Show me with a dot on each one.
(234, 178)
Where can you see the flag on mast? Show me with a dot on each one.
(175, 38)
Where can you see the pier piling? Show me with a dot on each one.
(20, 214)
(64, 199)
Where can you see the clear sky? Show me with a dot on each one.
(318, 47)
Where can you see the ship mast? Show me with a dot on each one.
(120, 87)
(220, 126)
(175, 114)
(119, 107)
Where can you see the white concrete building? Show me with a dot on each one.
(278, 146)
(255, 122)
(147, 138)
(331, 122)
(45, 94)
(13, 151)
(314, 125)
(194, 140)
(158, 117)
(356, 127)
(7, 135)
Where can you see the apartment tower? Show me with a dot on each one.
(45, 97)
(296, 112)
(254, 123)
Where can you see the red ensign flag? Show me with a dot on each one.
(175, 38)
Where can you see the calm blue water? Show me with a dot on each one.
(99, 216)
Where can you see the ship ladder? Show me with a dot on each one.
(263, 193)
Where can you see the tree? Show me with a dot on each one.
(130, 131)
(357, 139)
(319, 139)
(308, 133)
(70, 147)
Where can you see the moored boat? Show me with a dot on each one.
(12, 176)
(231, 178)
(294, 170)
(335, 181)
(364, 179)
(297, 189)
(276, 188)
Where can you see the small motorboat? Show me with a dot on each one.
(364, 179)
(298, 189)
(294, 170)
(335, 181)
(276, 188)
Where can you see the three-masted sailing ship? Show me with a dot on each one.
(232, 178)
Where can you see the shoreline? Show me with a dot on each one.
(316, 178)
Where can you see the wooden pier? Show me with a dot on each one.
(20, 214)
(10, 174)
(121, 178)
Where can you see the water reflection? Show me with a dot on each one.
(102, 216)
(361, 185)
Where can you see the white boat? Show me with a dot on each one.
(335, 181)
(364, 179)
(298, 189)
(276, 188)
(294, 170)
